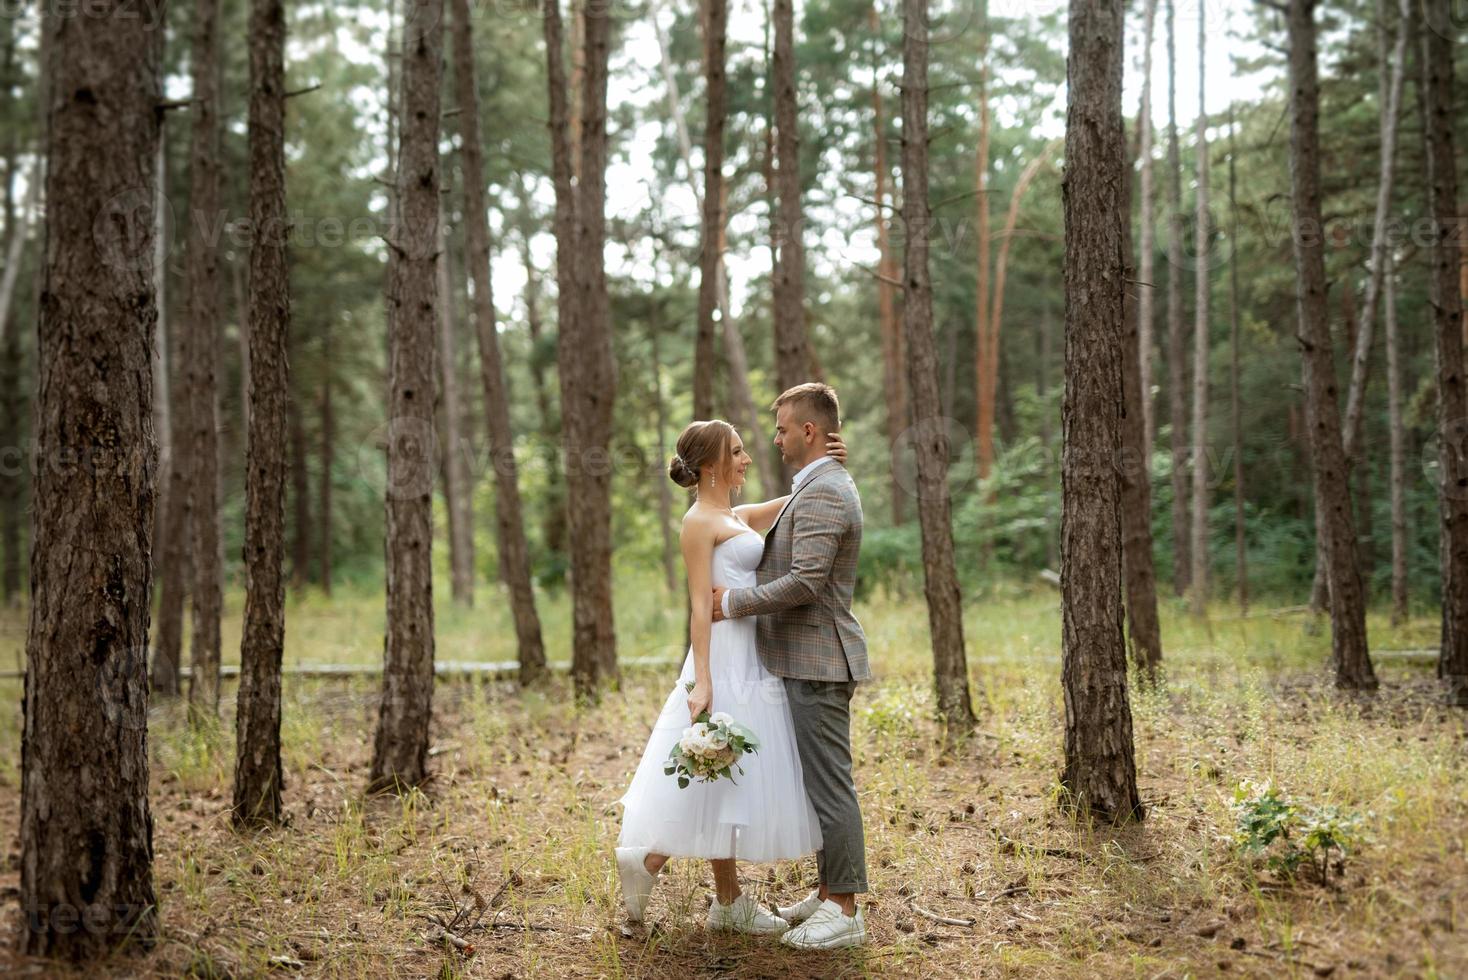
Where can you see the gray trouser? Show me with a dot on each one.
(821, 711)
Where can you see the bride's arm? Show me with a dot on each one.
(697, 539)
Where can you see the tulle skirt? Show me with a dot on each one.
(764, 815)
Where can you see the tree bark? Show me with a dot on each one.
(715, 31)
(514, 558)
(983, 327)
(1397, 437)
(1241, 557)
(457, 487)
(328, 458)
(665, 491)
(1147, 266)
(1100, 775)
(587, 370)
(400, 749)
(894, 354)
(172, 558)
(258, 779)
(1447, 307)
(1144, 634)
(1198, 547)
(200, 350)
(86, 834)
(793, 356)
(1176, 400)
(1347, 602)
(940, 574)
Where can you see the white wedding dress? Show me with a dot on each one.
(766, 816)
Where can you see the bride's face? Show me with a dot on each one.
(738, 461)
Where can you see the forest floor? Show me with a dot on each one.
(522, 813)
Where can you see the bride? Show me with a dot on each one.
(766, 816)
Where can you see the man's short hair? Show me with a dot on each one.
(813, 402)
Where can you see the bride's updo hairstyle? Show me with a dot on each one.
(701, 444)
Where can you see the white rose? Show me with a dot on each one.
(721, 718)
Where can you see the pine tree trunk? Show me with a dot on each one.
(793, 360)
(328, 457)
(1176, 400)
(400, 749)
(1452, 400)
(509, 519)
(894, 354)
(1241, 558)
(1198, 547)
(1100, 770)
(940, 574)
(457, 487)
(1147, 266)
(715, 29)
(86, 834)
(983, 328)
(1397, 436)
(553, 508)
(1144, 633)
(258, 779)
(200, 349)
(12, 485)
(171, 530)
(664, 485)
(300, 498)
(1333, 496)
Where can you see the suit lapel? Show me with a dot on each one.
(818, 474)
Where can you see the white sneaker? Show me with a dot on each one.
(637, 881)
(802, 910)
(744, 914)
(828, 928)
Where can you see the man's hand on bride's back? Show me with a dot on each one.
(719, 591)
(836, 447)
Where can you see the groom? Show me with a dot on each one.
(807, 635)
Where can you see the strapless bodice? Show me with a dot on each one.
(736, 559)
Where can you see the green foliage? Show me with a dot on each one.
(1289, 835)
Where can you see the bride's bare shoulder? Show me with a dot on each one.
(699, 523)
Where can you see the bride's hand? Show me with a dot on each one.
(700, 699)
(836, 448)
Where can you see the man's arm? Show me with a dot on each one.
(820, 522)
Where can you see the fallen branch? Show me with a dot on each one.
(943, 919)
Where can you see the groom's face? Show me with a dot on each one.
(791, 435)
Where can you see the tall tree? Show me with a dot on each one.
(1241, 557)
(1397, 437)
(1143, 633)
(86, 834)
(514, 550)
(1332, 489)
(1100, 773)
(200, 349)
(400, 749)
(1198, 548)
(553, 506)
(715, 30)
(170, 416)
(1447, 306)
(894, 354)
(1176, 400)
(258, 778)
(457, 487)
(794, 361)
(1148, 233)
(300, 493)
(940, 574)
(328, 456)
(984, 376)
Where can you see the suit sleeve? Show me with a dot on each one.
(820, 523)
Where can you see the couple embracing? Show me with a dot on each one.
(775, 646)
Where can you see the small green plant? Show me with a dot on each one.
(1291, 835)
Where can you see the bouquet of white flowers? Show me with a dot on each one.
(710, 749)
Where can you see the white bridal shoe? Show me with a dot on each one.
(744, 914)
(637, 881)
(828, 928)
(802, 910)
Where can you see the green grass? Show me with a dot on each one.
(522, 808)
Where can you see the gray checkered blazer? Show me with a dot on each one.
(805, 580)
